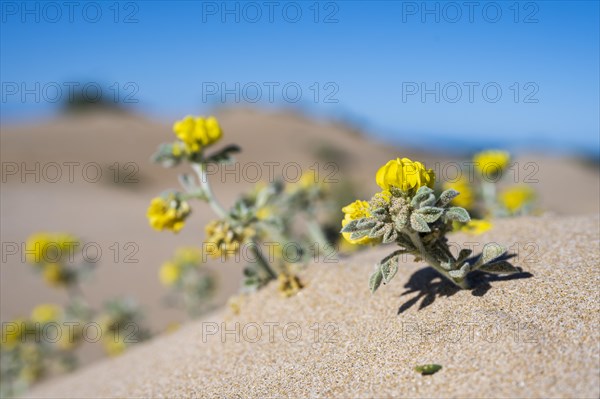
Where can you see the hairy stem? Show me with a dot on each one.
(262, 262)
(204, 183)
(433, 262)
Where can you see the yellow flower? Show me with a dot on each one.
(356, 210)
(45, 247)
(54, 274)
(197, 132)
(46, 313)
(188, 256)
(169, 273)
(514, 198)
(11, 332)
(168, 213)
(491, 163)
(476, 226)
(264, 213)
(114, 344)
(226, 240)
(465, 199)
(289, 284)
(404, 174)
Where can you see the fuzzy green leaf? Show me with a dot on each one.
(458, 214)
(446, 197)
(491, 251)
(375, 280)
(422, 194)
(389, 269)
(350, 227)
(224, 155)
(390, 234)
(379, 230)
(501, 267)
(357, 235)
(418, 223)
(430, 213)
(366, 223)
(463, 255)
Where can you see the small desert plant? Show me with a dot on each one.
(191, 285)
(482, 198)
(266, 215)
(408, 214)
(46, 342)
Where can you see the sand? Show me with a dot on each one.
(536, 335)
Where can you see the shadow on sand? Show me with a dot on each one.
(430, 285)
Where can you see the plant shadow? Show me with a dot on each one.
(429, 285)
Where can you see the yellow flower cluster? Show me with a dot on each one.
(12, 332)
(289, 284)
(168, 213)
(226, 240)
(475, 226)
(491, 163)
(515, 198)
(356, 210)
(171, 271)
(197, 132)
(404, 174)
(43, 247)
(466, 199)
(46, 313)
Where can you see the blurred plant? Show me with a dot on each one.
(408, 214)
(480, 195)
(191, 285)
(266, 216)
(46, 342)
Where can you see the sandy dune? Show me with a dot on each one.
(106, 212)
(531, 336)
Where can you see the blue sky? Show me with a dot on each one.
(444, 74)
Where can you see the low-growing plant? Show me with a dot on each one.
(408, 213)
(267, 214)
(46, 342)
(480, 195)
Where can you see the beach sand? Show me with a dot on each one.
(533, 335)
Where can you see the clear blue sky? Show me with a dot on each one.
(370, 61)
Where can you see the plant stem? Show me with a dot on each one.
(489, 196)
(203, 179)
(262, 262)
(433, 262)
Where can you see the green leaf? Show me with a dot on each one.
(389, 269)
(428, 369)
(224, 155)
(357, 235)
(375, 280)
(418, 223)
(390, 235)
(463, 255)
(430, 213)
(446, 197)
(422, 194)
(458, 214)
(350, 227)
(428, 202)
(501, 267)
(366, 223)
(491, 251)
(379, 230)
